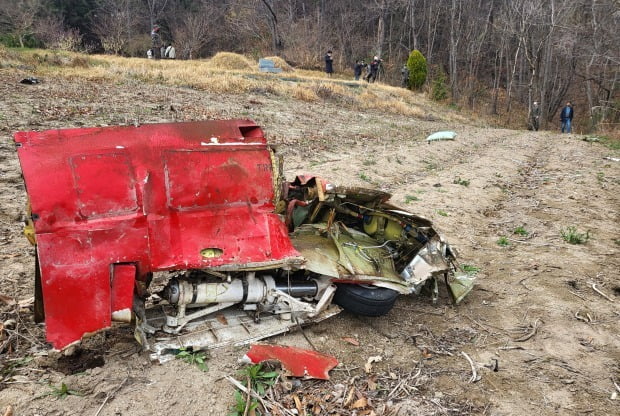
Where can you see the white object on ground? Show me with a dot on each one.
(441, 135)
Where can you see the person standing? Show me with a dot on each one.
(566, 117)
(157, 43)
(374, 69)
(171, 53)
(535, 116)
(357, 69)
(404, 72)
(329, 63)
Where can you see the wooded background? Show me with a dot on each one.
(496, 55)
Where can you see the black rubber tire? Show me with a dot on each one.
(365, 300)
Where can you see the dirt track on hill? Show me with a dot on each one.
(543, 341)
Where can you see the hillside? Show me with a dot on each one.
(541, 338)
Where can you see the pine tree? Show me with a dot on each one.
(417, 69)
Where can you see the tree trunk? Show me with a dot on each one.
(455, 19)
(380, 30)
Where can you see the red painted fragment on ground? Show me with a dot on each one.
(297, 362)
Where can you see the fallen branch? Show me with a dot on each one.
(249, 398)
(601, 293)
(531, 334)
(613, 380)
(266, 404)
(577, 294)
(474, 375)
(110, 395)
(510, 347)
(521, 282)
(529, 242)
(581, 318)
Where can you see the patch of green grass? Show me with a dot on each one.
(410, 198)
(520, 230)
(399, 160)
(617, 241)
(503, 241)
(430, 165)
(572, 236)
(197, 358)
(609, 142)
(369, 162)
(62, 391)
(442, 213)
(8, 369)
(459, 181)
(259, 378)
(240, 404)
(365, 177)
(259, 381)
(600, 177)
(470, 270)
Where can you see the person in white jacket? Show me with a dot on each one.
(170, 52)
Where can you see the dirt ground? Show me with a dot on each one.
(542, 340)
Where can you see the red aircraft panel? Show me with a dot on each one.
(144, 199)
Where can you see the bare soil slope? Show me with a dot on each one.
(542, 340)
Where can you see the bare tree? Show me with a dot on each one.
(53, 33)
(272, 21)
(191, 35)
(18, 17)
(522, 50)
(156, 9)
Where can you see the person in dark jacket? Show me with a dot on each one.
(329, 63)
(157, 43)
(374, 69)
(566, 117)
(357, 69)
(404, 72)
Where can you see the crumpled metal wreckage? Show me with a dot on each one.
(190, 232)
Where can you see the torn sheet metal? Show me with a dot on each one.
(460, 285)
(153, 196)
(174, 227)
(229, 327)
(297, 362)
(343, 254)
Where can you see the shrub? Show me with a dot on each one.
(439, 90)
(417, 69)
